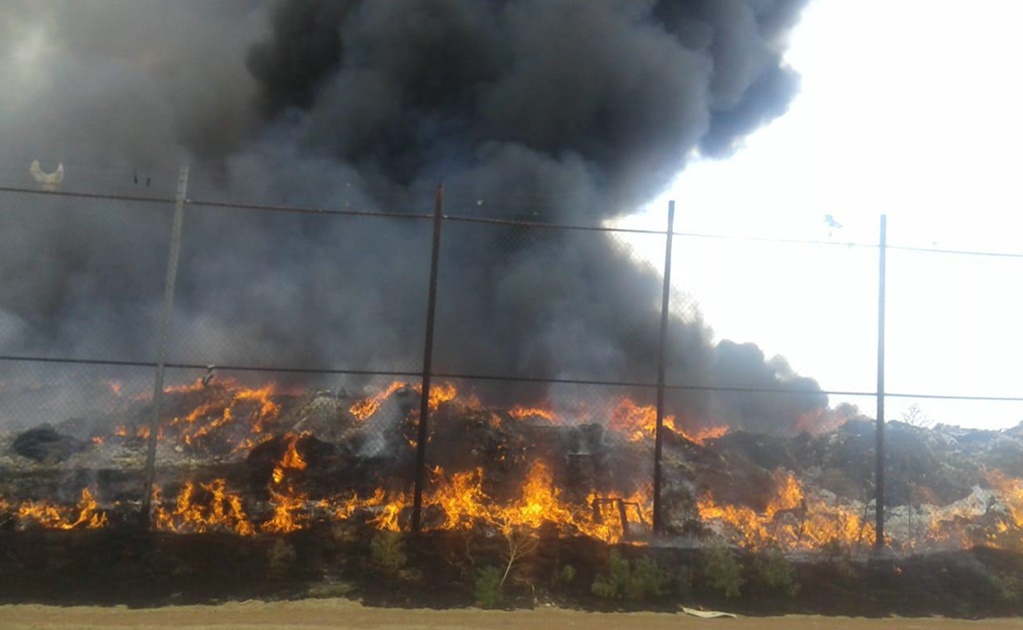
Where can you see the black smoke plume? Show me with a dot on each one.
(560, 111)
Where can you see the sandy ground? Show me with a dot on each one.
(345, 614)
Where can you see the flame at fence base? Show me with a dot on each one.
(794, 520)
(85, 515)
(791, 521)
(458, 498)
(227, 418)
(203, 508)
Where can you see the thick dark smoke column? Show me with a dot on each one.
(559, 110)
(413, 87)
(591, 107)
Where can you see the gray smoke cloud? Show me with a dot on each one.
(556, 110)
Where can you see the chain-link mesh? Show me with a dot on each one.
(278, 290)
(974, 342)
(296, 348)
(546, 303)
(79, 277)
(63, 447)
(578, 456)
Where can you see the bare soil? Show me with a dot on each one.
(344, 614)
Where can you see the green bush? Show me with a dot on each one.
(648, 580)
(1008, 587)
(615, 583)
(280, 559)
(776, 572)
(565, 576)
(624, 580)
(488, 591)
(387, 551)
(722, 570)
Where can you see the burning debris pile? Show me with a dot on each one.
(254, 461)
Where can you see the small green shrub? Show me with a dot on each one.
(722, 570)
(615, 583)
(565, 576)
(625, 580)
(280, 559)
(776, 572)
(648, 580)
(488, 589)
(1009, 588)
(387, 552)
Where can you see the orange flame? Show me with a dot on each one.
(439, 393)
(640, 423)
(290, 506)
(369, 406)
(220, 510)
(790, 521)
(290, 510)
(116, 387)
(85, 515)
(211, 415)
(521, 413)
(1011, 491)
(291, 459)
(700, 435)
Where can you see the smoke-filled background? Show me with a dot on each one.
(558, 111)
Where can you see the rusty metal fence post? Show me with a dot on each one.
(658, 525)
(168, 303)
(424, 404)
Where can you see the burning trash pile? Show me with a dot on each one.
(258, 460)
(251, 461)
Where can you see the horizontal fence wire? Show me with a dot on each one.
(500, 378)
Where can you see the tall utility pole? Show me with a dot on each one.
(168, 304)
(879, 450)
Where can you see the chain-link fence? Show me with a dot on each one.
(559, 391)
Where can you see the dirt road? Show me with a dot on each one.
(343, 614)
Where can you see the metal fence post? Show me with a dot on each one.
(168, 303)
(424, 403)
(658, 525)
(879, 470)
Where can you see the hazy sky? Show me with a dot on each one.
(910, 108)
